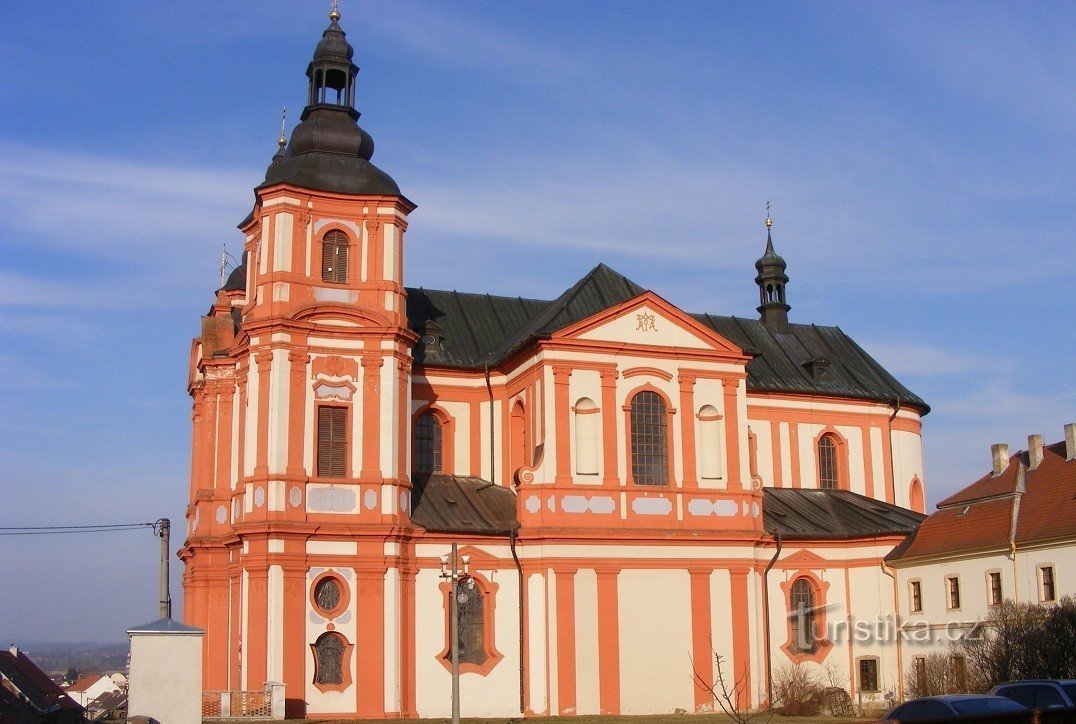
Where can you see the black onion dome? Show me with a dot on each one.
(333, 45)
(328, 150)
(237, 280)
(771, 258)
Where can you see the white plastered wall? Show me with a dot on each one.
(655, 641)
(493, 695)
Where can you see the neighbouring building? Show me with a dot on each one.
(1010, 535)
(636, 487)
(29, 696)
(89, 687)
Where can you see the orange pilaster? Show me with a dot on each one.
(298, 359)
(224, 438)
(868, 461)
(702, 653)
(741, 638)
(732, 431)
(409, 709)
(475, 426)
(261, 465)
(370, 643)
(608, 642)
(687, 428)
(562, 421)
(566, 641)
(294, 640)
(609, 446)
(371, 418)
(215, 659)
(256, 643)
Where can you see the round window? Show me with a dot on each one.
(328, 595)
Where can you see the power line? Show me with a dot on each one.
(69, 529)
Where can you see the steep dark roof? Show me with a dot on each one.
(40, 691)
(799, 513)
(463, 504)
(480, 328)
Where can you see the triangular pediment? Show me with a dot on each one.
(649, 321)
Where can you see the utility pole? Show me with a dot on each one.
(162, 529)
(454, 577)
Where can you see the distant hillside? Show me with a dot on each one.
(87, 657)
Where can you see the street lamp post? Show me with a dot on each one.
(455, 576)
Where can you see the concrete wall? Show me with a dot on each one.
(166, 677)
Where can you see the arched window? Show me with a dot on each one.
(801, 618)
(829, 477)
(329, 652)
(471, 625)
(426, 454)
(334, 257)
(649, 448)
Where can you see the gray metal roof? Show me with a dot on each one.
(799, 513)
(165, 626)
(463, 504)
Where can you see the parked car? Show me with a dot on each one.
(953, 706)
(1040, 693)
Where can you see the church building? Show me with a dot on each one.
(637, 489)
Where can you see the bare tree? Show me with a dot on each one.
(729, 693)
(1022, 641)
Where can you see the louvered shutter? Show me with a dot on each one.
(332, 442)
(334, 258)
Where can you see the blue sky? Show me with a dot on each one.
(919, 159)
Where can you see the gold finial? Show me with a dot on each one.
(283, 118)
(334, 14)
(769, 221)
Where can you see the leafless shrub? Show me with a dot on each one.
(1022, 641)
(800, 691)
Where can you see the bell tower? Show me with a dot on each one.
(771, 281)
(302, 422)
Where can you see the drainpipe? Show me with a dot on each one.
(896, 630)
(766, 620)
(519, 570)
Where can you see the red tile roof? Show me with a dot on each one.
(980, 515)
(85, 682)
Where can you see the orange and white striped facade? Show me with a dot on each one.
(620, 582)
(612, 596)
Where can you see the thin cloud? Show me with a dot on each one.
(918, 360)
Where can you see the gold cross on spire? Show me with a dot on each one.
(283, 118)
(334, 14)
(769, 221)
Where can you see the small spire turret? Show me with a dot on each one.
(771, 281)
